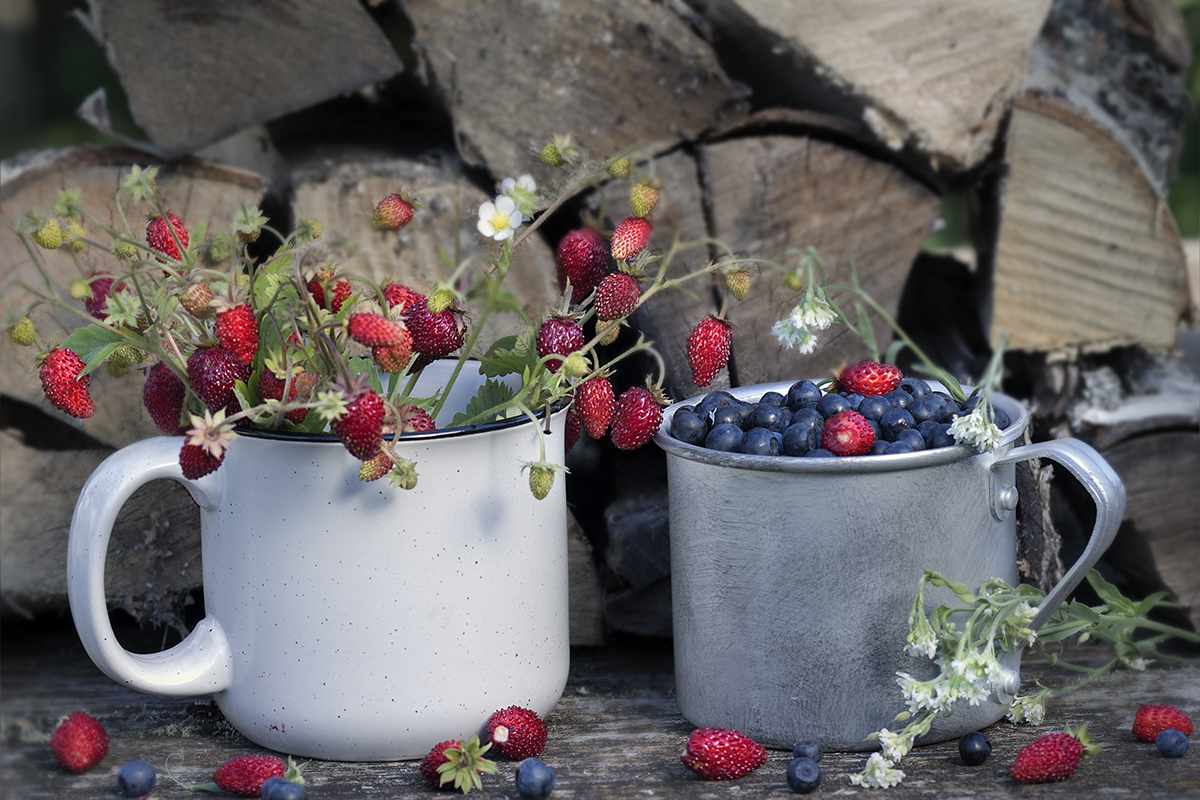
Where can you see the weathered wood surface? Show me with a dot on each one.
(196, 74)
(616, 733)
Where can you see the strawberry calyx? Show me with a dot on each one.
(465, 765)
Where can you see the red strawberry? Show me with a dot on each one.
(162, 395)
(720, 754)
(1151, 720)
(196, 462)
(516, 732)
(636, 418)
(246, 774)
(79, 742)
(708, 349)
(373, 330)
(158, 236)
(1053, 757)
(434, 335)
(616, 296)
(595, 403)
(361, 427)
(270, 387)
(630, 238)
(558, 336)
(573, 426)
(237, 331)
(375, 468)
(63, 386)
(102, 289)
(643, 198)
(397, 294)
(339, 291)
(415, 420)
(394, 358)
(212, 373)
(848, 433)
(582, 259)
(870, 377)
(466, 765)
(392, 213)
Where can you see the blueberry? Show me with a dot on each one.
(899, 398)
(1171, 743)
(952, 409)
(803, 775)
(880, 447)
(712, 401)
(772, 399)
(727, 415)
(809, 416)
(807, 749)
(137, 778)
(832, 404)
(686, 426)
(282, 789)
(534, 779)
(916, 387)
(873, 407)
(910, 437)
(802, 394)
(768, 416)
(941, 436)
(926, 429)
(820, 452)
(799, 438)
(897, 447)
(1002, 420)
(855, 400)
(925, 409)
(745, 409)
(895, 421)
(726, 436)
(974, 748)
(762, 442)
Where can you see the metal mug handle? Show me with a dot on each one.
(1107, 491)
(202, 663)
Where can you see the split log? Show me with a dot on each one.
(1086, 255)
(932, 75)
(195, 75)
(619, 75)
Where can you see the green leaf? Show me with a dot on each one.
(93, 344)
(489, 396)
(1110, 594)
(366, 366)
(510, 355)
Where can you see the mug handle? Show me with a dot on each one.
(202, 663)
(1101, 482)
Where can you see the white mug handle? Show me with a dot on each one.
(200, 664)
(1108, 493)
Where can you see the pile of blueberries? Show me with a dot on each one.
(909, 418)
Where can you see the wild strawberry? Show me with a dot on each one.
(270, 387)
(63, 385)
(572, 428)
(636, 418)
(870, 378)
(397, 294)
(159, 235)
(541, 480)
(582, 259)
(1151, 720)
(213, 373)
(22, 332)
(558, 336)
(79, 742)
(414, 420)
(455, 765)
(246, 774)
(392, 213)
(162, 395)
(196, 299)
(97, 300)
(619, 167)
(616, 296)
(373, 330)
(394, 358)
(196, 462)
(595, 403)
(434, 335)
(517, 732)
(643, 199)
(708, 349)
(124, 357)
(630, 238)
(848, 433)
(375, 468)
(721, 754)
(737, 282)
(339, 292)
(237, 331)
(49, 236)
(360, 429)
(1053, 757)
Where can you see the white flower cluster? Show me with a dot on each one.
(500, 218)
(813, 313)
(976, 429)
(879, 773)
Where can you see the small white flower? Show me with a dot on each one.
(922, 642)
(1031, 709)
(499, 220)
(976, 429)
(879, 773)
(813, 313)
(895, 744)
(523, 192)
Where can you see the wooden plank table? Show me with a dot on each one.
(616, 733)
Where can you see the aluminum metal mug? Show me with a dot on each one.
(792, 578)
(346, 620)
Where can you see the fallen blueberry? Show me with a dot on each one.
(534, 779)
(974, 748)
(282, 789)
(137, 778)
(803, 775)
(806, 749)
(1171, 743)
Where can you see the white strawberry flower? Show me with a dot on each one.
(523, 192)
(500, 219)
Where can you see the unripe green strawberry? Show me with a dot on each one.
(49, 236)
(609, 333)
(197, 299)
(122, 359)
(541, 481)
(643, 199)
(560, 151)
(552, 156)
(793, 280)
(23, 332)
(738, 283)
(375, 468)
(576, 365)
(76, 232)
(123, 250)
(79, 289)
(308, 230)
(619, 167)
(440, 300)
